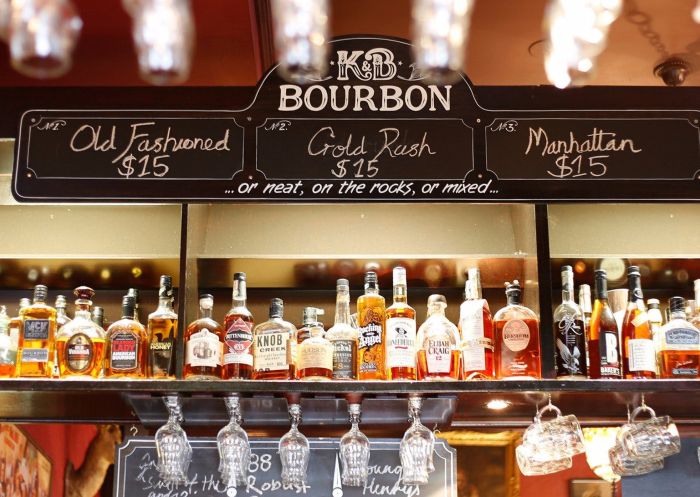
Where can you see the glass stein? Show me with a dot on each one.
(354, 452)
(294, 451)
(416, 448)
(173, 448)
(234, 447)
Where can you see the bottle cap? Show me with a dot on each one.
(206, 301)
(370, 278)
(84, 293)
(61, 302)
(677, 304)
(98, 315)
(342, 285)
(40, 293)
(566, 268)
(133, 292)
(633, 271)
(276, 308)
(474, 273)
(469, 290)
(166, 286)
(127, 307)
(311, 315)
(653, 303)
(24, 302)
(239, 276)
(600, 273)
(436, 299)
(513, 292)
(399, 275)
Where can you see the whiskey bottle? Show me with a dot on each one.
(400, 332)
(638, 357)
(134, 292)
(680, 355)
(238, 323)
(603, 345)
(36, 338)
(98, 316)
(61, 314)
(371, 326)
(127, 345)
(16, 331)
(343, 336)
(272, 346)
(308, 321)
(438, 344)
(517, 337)
(8, 353)
(204, 344)
(569, 331)
(476, 331)
(584, 302)
(162, 331)
(656, 322)
(81, 343)
(315, 362)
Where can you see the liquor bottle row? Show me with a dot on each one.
(633, 342)
(377, 343)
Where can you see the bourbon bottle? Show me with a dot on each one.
(238, 324)
(680, 353)
(343, 336)
(638, 355)
(476, 330)
(273, 343)
(204, 344)
(400, 332)
(569, 332)
(438, 345)
(371, 325)
(315, 361)
(36, 338)
(517, 334)
(162, 333)
(605, 360)
(127, 345)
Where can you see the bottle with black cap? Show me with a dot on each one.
(517, 337)
(680, 353)
(204, 344)
(638, 356)
(37, 337)
(238, 324)
(569, 332)
(274, 346)
(605, 359)
(127, 345)
(162, 333)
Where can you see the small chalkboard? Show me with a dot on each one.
(136, 474)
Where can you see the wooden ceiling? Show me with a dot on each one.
(232, 42)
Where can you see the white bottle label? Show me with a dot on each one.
(438, 354)
(516, 335)
(642, 356)
(204, 349)
(270, 351)
(400, 343)
(316, 356)
(471, 325)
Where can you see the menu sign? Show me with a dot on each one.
(136, 474)
(374, 129)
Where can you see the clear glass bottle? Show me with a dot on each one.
(438, 344)
(517, 337)
(162, 333)
(680, 353)
(37, 337)
(61, 314)
(309, 320)
(127, 345)
(238, 323)
(656, 322)
(81, 343)
(204, 344)
(272, 346)
(315, 361)
(569, 332)
(134, 292)
(343, 336)
(400, 332)
(638, 355)
(371, 325)
(476, 331)
(8, 353)
(605, 358)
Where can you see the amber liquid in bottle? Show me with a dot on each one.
(162, 333)
(437, 342)
(371, 324)
(638, 354)
(204, 344)
(400, 332)
(603, 347)
(425, 374)
(127, 345)
(238, 338)
(476, 331)
(35, 354)
(273, 342)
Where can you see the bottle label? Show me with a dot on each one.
(270, 351)
(516, 335)
(370, 335)
(343, 359)
(36, 329)
(239, 338)
(161, 356)
(471, 325)
(641, 318)
(642, 356)
(35, 355)
(682, 339)
(369, 343)
(203, 349)
(438, 355)
(316, 356)
(79, 352)
(8, 354)
(124, 352)
(609, 355)
(400, 343)
(570, 346)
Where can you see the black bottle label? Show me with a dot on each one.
(570, 352)
(161, 353)
(36, 329)
(609, 354)
(124, 352)
(344, 357)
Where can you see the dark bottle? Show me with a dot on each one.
(603, 344)
(569, 330)
(638, 354)
(162, 333)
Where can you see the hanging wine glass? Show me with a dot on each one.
(234, 447)
(294, 451)
(416, 447)
(173, 448)
(354, 451)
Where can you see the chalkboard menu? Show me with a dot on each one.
(136, 474)
(375, 129)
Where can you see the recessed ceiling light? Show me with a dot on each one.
(497, 404)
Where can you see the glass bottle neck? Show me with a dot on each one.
(567, 286)
(371, 290)
(82, 309)
(436, 310)
(635, 289)
(205, 312)
(165, 304)
(678, 315)
(342, 308)
(400, 294)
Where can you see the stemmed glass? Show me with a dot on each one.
(294, 451)
(173, 448)
(234, 447)
(354, 451)
(416, 448)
